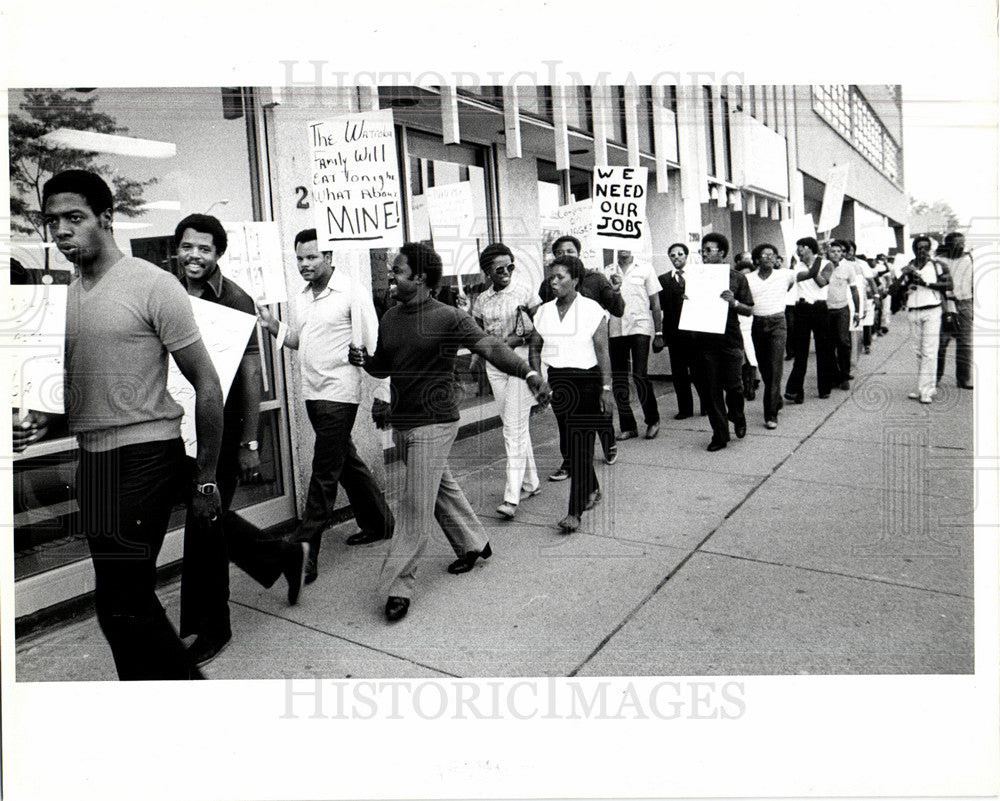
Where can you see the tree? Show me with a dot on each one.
(934, 219)
(32, 162)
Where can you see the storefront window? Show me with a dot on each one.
(176, 152)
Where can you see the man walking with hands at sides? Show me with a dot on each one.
(124, 316)
(679, 343)
(599, 289)
(418, 341)
(200, 241)
(329, 309)
(959, 263)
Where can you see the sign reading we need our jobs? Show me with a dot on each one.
(355, 182)
(620, 206)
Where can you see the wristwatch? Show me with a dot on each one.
(209, 488)
(250, 445)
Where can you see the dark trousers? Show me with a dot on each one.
(811, 320)
(631, 353)
(768, 334)
(125, 497)
(963, 355)
(576, 402)
(789, 331)
(210, 547)
(839, 321)
(605, 435)
(718, 374)
(335, 460)
(681, 375)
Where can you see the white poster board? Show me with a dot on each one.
(452, 220)
(355, 182)
(703, 308)
(619, 209)
(35, 335)
(253, 260)
(225, 333)
(833, 197)
(577, 219)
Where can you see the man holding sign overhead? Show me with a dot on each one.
(332, 314)
(124, 316)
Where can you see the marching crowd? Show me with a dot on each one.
(574, 343)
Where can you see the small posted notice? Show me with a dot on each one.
(355, 182)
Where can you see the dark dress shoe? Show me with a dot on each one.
(799, 399)
(716, 445)
(396, 608)
(366, 537)
(624, 435)
(312, 569)
(824, 395)
(965, 386)
(560, 475)
(295, 561)
(740, 428)
(593, 500)
(207, 646)
(652, 431)
(466, 563)
(844, 385)
(682, 416)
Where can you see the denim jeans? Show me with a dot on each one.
(335, 460)
(125, 497)
(632, 352)
(769, 342)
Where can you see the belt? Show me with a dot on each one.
(923, 308)
(811, 303)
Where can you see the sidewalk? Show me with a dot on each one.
(839, 543)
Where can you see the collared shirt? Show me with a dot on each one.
(327, 324)
(922, 297)
(595, 286)
(498, 310)
(961, 274)
(639, 284)
(809, 290)
(569, 342)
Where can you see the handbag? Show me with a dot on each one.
(950, 323)
(523, 326)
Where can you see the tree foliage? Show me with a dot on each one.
(934, 219)
(32, 162)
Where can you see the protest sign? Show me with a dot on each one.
(577, 219)
(833, 198)
(225, 333)
(253, 260)
(452, 219)
(619, 210)
(703, 308)
(34, 326)
(355, 182)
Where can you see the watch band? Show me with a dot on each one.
(208, 488)
(250, 445)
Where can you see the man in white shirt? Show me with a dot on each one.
(629, 339)
(329, 312)
(840, 294)
(959, 264)
(811, 320)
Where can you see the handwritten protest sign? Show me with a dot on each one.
(704, 309)
(452, 220)
(34, 327)
(833, 197)
(577, 219)
(225, 333)
(620, 205)
(355, 182)
(253, 260)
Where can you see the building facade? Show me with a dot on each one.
(751, 162)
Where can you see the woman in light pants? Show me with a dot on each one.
(497, 312)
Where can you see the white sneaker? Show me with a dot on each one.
(913, 395)
(926, 398)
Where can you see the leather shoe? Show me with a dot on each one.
(682, 416)
(366, 537)
(593, 500)
(740, 428)
(845, 385)
(466, 563)
(799, 399)
(824, 395)
(652, 431)
(612, 454)
(507, 510)
(206, 647)
(560, 475)
(569, 524)
(396, 608)
(312, 569)
(965, 386)
(716, 445)
(295, 562)
(624, 435)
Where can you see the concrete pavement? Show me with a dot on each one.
(839, 543)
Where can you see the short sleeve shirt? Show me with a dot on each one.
(498, 310)
(639, 284)
(569, 342)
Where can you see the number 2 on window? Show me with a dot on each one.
(303, 193)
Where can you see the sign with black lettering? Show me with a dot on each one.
(620, 206)
(355, 182)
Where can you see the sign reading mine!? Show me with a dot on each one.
(355, 182)
(620, 205)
